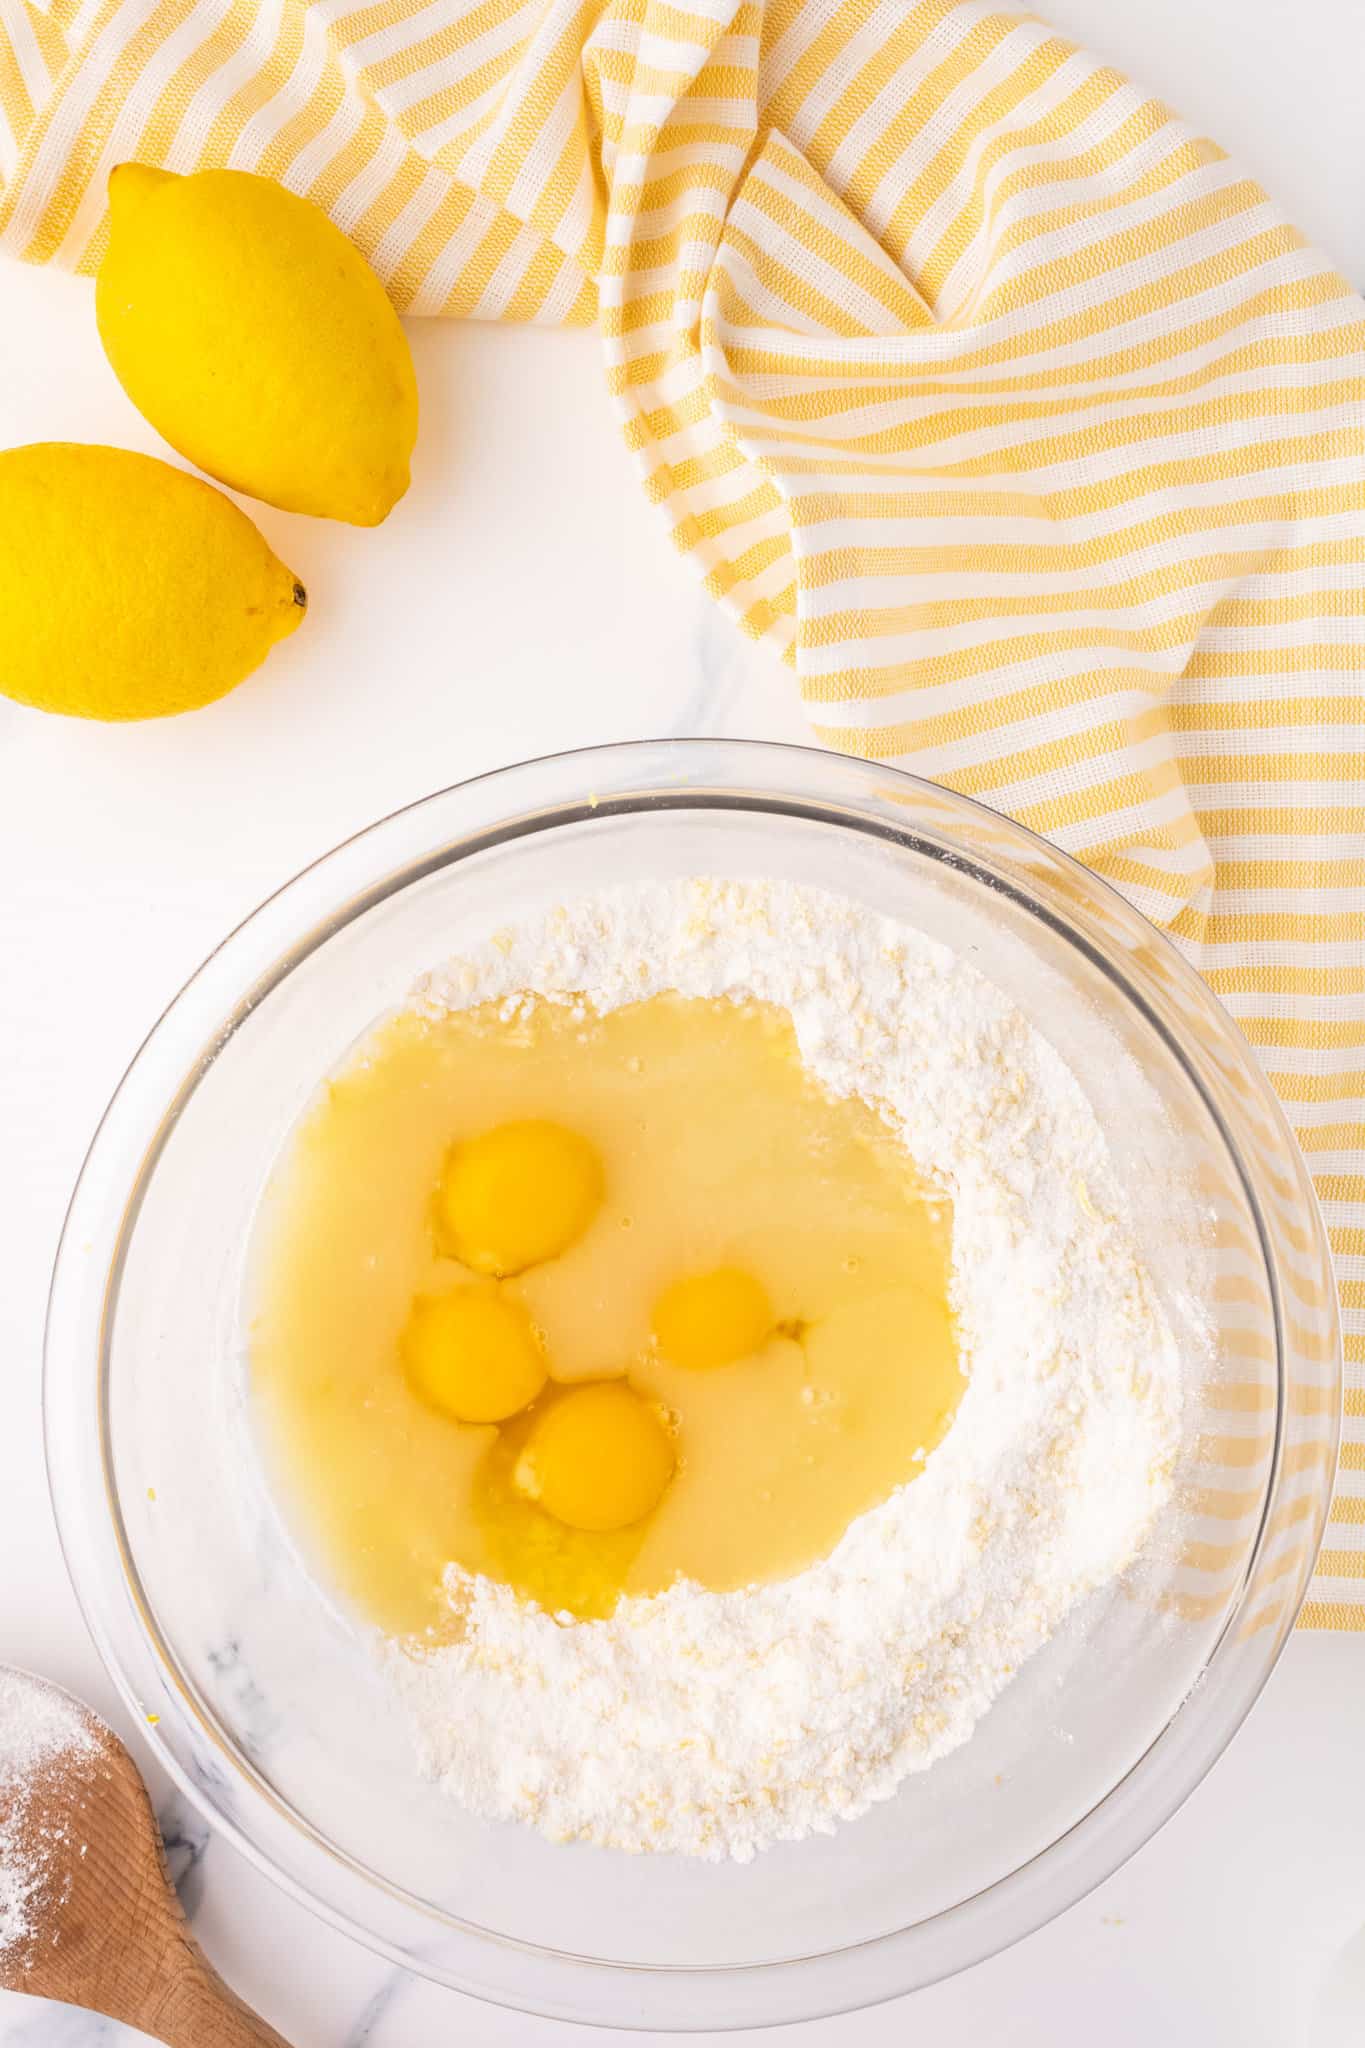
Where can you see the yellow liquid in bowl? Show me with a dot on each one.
(719, 1151)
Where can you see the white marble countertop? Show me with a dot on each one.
(128, 852)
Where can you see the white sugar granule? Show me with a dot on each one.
(41, 1729)
(717, 1723)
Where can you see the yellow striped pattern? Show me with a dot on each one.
(1000, 403)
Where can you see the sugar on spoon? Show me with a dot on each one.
(88, 1914)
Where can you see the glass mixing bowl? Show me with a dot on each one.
(269, 1714)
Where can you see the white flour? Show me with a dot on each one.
(40, 1729)
(715, 1724)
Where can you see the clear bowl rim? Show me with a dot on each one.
(979, 1925)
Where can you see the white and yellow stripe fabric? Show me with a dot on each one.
(1004, 406)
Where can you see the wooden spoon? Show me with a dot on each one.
(101, 1924)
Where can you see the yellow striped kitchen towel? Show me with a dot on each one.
(1003, 405)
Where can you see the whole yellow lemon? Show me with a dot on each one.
(258, 341)
(128, 589)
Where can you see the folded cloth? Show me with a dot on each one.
(1003, 405)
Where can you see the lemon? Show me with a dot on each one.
(128, 589)
(257, 340)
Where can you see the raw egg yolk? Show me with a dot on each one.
(598, 1459)
(517, 1195)
(473, 1353)
(712, 1318)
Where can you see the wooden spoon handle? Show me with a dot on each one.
(199, 2011)
(184, 2002)
(109, 1932)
